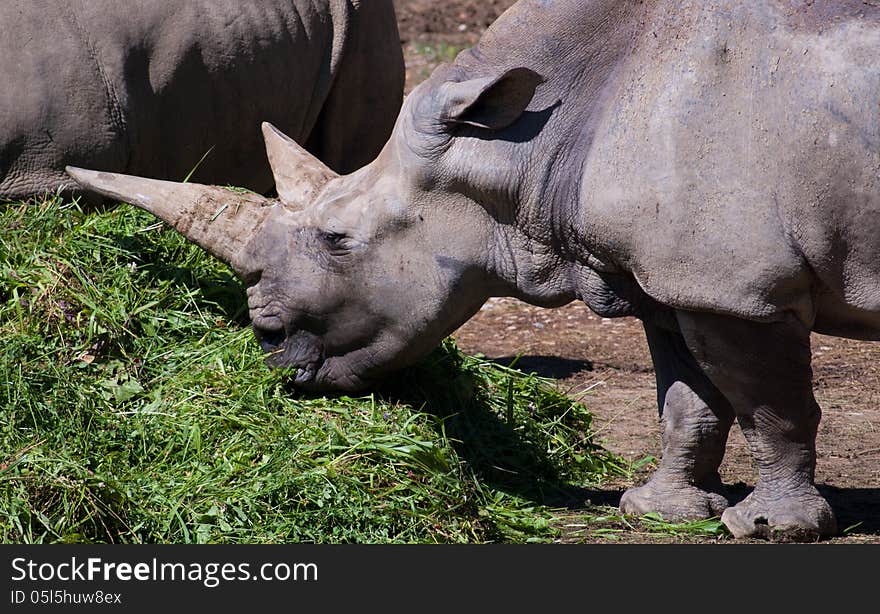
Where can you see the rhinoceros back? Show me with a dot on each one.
(749, 180)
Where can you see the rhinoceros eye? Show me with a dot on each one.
(335, 241)
(332, 238)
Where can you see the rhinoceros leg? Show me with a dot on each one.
(764, 370)
(695, 419)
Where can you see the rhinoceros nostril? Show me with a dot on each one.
(251, 279)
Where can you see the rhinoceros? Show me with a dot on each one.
(709, 166)
(150, 87)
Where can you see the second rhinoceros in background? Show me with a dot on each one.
(149, 87)
(710, 166)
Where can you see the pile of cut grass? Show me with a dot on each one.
(136, 408)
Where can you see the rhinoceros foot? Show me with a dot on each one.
(804, 516)
(674, 501)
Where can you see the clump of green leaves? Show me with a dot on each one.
(136, 407)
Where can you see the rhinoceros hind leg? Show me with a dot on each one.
(764, 370)
(696, 419)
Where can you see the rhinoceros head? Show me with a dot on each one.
(351, 277)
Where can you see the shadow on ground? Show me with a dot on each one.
(507, 449)
(545, 366)
(857, 509)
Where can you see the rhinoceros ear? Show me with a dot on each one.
(493, 103)
(299, 175)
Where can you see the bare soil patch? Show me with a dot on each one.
(459, 21)
(434, 32)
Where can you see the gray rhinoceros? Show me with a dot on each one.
(710, 166)
(150, 86)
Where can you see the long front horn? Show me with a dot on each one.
(219, 220)
(299, 175)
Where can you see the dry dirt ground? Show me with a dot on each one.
(434, 31)
(607, 361)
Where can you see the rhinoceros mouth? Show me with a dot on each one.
(270, 340)
(311, 365)
(304, 376)
(301, 352)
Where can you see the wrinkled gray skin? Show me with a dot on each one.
(712, 167)
(148, 87)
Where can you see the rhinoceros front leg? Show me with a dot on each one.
(764, 370)
(695, 420)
